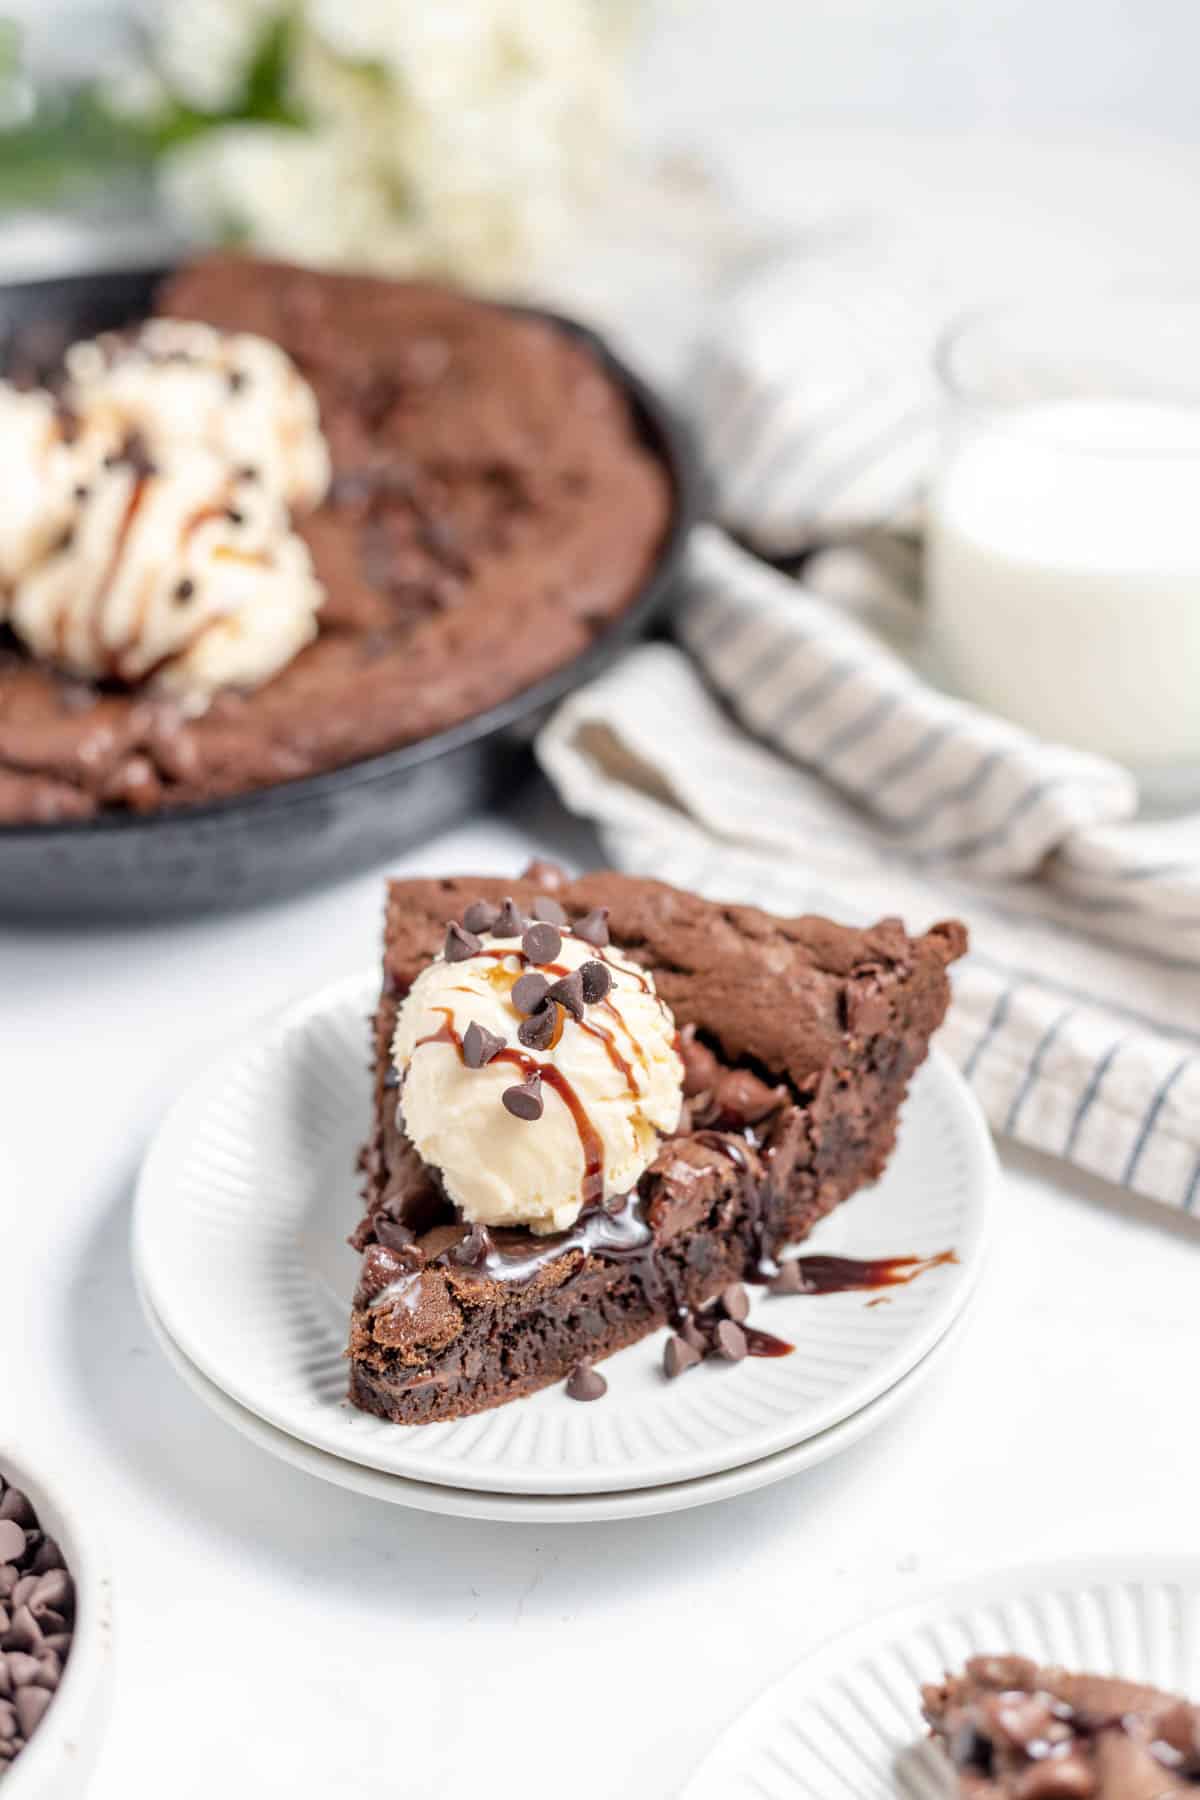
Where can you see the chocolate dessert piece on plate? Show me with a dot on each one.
(598, 1104)
(1014, 1731)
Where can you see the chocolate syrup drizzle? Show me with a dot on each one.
(851, 1274)
(590, 1141)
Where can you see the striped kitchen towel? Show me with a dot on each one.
(787, 755)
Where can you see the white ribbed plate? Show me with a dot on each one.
(846, 1723)
(550, 1509)
(250, 1188)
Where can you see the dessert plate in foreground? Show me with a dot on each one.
(848, 1720)
(250, 1188)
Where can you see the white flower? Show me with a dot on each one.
(203, 48)
(302, 196)
(454, 137)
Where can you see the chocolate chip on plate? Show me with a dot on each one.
(691, 1334)
(729, 1341)
(735, 1302)
(583, 1383)
(548, 910)
(481, 915)
(480, 1045)
(537, 1031)
(509, 921)
(12, 1541)
(569, 993)
(524, 1101)
(460, 944)
(593, 927)
(530, 992)
(678, 1356)
(541, 943)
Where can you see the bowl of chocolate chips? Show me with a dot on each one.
(55, 1638)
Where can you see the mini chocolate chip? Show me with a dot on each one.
(510, 921)
(237, 380)
(48, 1557)
(525, 1100)
(541, 943)
(595, 980)
(65, 540)
(537, 1031)
(548, 910)
(593, 927)
(729, 1341)
(390, 1234)
(788, 1281)
(55, 1592)
(247, 472)
(460, 944)
(530, 992)
(82, 491)
(31, 1704)
(234, 516)
(692, 1334)
(549, 876)
(473, 1250)
(480, 1045)
(481, 915)
(569, 993)
(23, 1633)
(184, 589)
(584, 1383)
(678, 1356)
(12, 1541)
(735, 1302)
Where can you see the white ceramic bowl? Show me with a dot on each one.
(56, 1762)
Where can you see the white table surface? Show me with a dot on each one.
(277, 1636)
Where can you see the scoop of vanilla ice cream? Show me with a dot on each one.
(41, 468)
(185, 575)
(621, 1063)
(180, 383)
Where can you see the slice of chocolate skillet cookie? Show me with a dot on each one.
(798, 1036)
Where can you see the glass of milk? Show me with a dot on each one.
(1063, 565)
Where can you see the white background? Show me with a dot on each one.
(279, 1637)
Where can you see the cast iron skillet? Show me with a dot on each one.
(279, 840)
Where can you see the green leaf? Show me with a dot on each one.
(265, 94)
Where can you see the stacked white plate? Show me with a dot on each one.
(242, 1212)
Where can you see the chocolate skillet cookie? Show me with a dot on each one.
(1014, 1731)
(600, 1103)
(489, 510)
